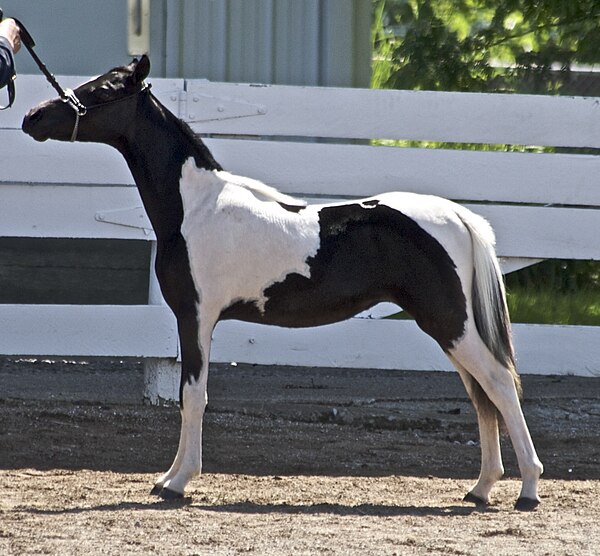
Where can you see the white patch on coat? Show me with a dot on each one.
(239, 239)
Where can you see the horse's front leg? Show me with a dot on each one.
(195, 348)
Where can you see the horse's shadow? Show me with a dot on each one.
(248, 507)
(370, 510)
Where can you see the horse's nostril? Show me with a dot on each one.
(30, 123)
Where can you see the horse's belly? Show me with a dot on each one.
(300, 309)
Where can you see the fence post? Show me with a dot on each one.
(161, 375)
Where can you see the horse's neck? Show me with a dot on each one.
(155, 154)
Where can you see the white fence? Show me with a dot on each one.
(541, 206)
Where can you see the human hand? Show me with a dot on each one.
(10, 30)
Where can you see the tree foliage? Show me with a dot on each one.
(483, 45)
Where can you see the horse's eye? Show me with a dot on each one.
(103, 93)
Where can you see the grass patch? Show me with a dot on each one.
(531, 306)
(551, 307)
(556, 292)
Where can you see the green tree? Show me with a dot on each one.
(483, 45)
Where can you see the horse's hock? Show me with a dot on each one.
(76, 271)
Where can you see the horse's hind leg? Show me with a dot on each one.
(489, 437)
(498, 383)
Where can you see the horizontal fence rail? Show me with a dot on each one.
(228, 108)
(359, 170)
(541, 204)
(97, 330)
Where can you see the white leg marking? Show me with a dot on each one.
(166, 477)
(498, 383)
(492, 468)
(188, 461)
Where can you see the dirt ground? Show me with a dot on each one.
(297, 461)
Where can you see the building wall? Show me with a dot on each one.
(300, 42)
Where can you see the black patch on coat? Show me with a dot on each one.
(368, 253)
(178, 288)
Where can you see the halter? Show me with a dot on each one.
(81, 110)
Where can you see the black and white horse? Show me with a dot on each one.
(229, 247)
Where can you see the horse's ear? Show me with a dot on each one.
(141, 68)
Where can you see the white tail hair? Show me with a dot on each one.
(488, 294)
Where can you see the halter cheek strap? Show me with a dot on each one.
(80, 110)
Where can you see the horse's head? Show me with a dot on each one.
(107, 108)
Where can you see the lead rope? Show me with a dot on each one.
(67, 95)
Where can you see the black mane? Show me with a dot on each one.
(203, 156)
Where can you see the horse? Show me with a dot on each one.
(230, 247)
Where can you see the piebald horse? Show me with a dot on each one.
(229, 247)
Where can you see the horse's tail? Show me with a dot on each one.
(488, 294)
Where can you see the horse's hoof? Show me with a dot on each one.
(526, 504)
(156, 489)
(479, 502)
(167, 494)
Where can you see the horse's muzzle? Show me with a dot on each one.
(31, 124)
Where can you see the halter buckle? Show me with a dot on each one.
(71, 99)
